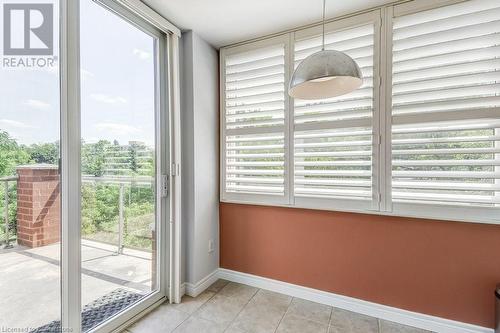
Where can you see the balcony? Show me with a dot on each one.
(117, 260)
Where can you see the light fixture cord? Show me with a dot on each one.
(323, 41)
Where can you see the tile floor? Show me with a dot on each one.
(236, 308)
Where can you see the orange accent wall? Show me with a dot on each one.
(445, 269)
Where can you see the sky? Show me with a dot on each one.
(117, 85)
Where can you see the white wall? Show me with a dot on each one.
(200, 156)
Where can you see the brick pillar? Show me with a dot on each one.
(38, 205)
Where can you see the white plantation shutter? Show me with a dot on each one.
(420, 138)
(333, 138)
(446, 107)
(254, 122)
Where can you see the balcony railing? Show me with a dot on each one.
(51, 175)
(120, 181)
(6, 181)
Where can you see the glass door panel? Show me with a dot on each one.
(118, 162)
(30, 219)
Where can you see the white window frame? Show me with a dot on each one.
(382, 18)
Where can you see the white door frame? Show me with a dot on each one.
(168, 163)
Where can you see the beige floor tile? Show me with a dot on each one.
(390, 327)
(162, 320)
(310, 310)
(234, 330)
(221, 309)
(237, 290)
(343, 321)
(269, 298)
(191, 304)
(299, 324)
(217, 285)
(263, 313)
(198, 325)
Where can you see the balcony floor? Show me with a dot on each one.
(30, 280)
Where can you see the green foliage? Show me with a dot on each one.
(45, 153)
(100, 201)
(94, 158)
(11, 155)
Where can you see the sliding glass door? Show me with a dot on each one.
(84, 159)
(120, 161)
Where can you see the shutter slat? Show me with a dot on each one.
(449, 58)
(446, 186)
(333, 182)
(332, 192)
(334, 153)
(446, 151)
(447, 82)
(338, 173)
(439, 37)
(442, 163)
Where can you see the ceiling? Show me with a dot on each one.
(223, 22)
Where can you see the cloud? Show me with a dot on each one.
(37, 104)
(117, 129)
(143, 55)
(113, 100)
(14, 124)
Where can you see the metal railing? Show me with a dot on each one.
(5, 181)
(121, 181)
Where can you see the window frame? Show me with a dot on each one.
(382, 19)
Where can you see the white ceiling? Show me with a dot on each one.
(223, 22)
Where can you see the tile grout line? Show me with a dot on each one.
(244, 306)
(281, 319)
(330, 319)
(190, 315)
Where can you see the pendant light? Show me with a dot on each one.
(325, 74)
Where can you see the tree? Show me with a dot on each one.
(11, 155)
(94, 158)
(47, 153)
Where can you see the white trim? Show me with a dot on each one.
(175, 171)
(151, 16)
(194, 289)
(70, 166)
(386, 111)
(409, 318)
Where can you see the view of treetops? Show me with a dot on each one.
(107, 168)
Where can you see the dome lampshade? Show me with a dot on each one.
(325, 74)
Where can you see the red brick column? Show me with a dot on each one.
(38, 205)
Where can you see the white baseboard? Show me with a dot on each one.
(194, 289)
(419, 320)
